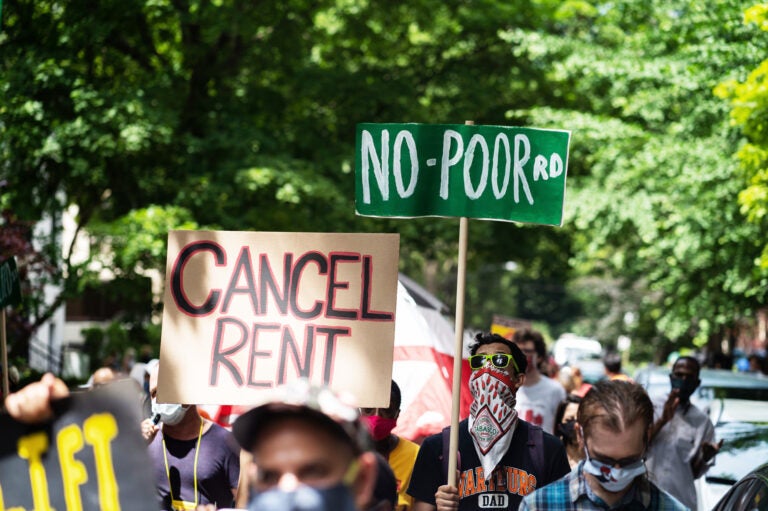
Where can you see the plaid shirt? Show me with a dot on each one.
(572, 493)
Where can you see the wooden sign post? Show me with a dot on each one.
(466, 171)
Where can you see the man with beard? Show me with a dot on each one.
(613, 428)
(682, 442)
(195, 461)
(501, 457)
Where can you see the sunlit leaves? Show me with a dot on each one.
(748, 99)
(136, 242)
(241, 115)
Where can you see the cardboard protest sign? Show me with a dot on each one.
(489, 172)
(10, 289)
(247, 311)
(92, 456)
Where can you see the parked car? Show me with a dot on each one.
(569, 348)
(717, 385)
(737, 404)
(749, 493)
(745, 448)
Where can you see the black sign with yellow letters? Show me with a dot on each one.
(91, 456)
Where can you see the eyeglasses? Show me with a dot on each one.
(622, 463)
(499, 360)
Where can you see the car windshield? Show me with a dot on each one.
(744, 445)
(748, 394)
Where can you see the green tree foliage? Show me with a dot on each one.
(240, 114)
(150, 115)
(749, 100)
(652, 179)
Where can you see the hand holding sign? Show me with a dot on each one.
(32, 404)
(489, 172)
(91, 456)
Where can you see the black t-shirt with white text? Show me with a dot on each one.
(513, 478)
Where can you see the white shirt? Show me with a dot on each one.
(675, 445)
(537, 404)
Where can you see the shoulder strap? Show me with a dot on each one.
(536, 449)
(446, 437)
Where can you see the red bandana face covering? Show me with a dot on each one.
(492, 415)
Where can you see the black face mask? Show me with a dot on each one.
(685, 386)
(567, 432)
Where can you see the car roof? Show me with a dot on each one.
(726, 395)
(720, 378)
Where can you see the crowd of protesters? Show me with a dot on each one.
(530, 441)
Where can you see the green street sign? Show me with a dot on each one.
(10, 290)
(459, 170)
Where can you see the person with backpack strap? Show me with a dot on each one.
(501, 458)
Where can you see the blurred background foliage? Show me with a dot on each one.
(141, 116)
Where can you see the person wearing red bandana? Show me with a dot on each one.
(399, 452)
(502, 458)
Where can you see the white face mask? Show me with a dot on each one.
(611, 478)
(170, 413)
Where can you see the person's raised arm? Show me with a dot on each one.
(673, 401)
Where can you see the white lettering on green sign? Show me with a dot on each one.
(424, 162)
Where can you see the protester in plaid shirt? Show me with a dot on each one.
(613, 429)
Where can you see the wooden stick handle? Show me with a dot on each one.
(461, 279)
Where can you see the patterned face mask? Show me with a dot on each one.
(613, 478)
(492, 415)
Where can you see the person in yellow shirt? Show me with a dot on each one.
(399, 452)
(612, 364)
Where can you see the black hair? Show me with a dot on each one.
(534, 336)
(559, 413)
(692, 360)
(396, 397)
(386, 484)
(612, 362)
(562, 405)
(483, 338)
